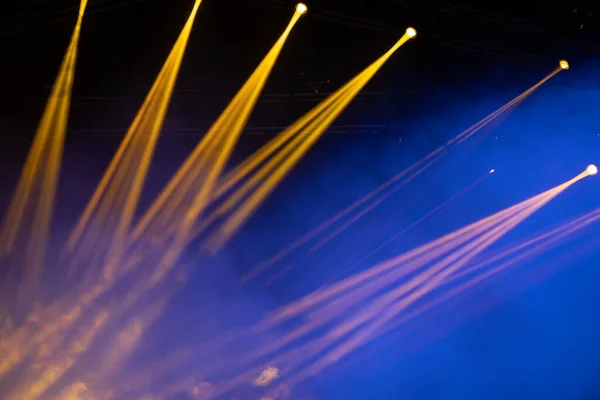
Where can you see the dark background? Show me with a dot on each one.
(124, 43)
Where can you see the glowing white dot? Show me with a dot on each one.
(301, 8)
(592, 169)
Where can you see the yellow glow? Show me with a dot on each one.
(301, 8)
(186, 195)
(30, 212)
(114, 203)
(411, 32)
(292, 144)
(592, 169)
(563, 64)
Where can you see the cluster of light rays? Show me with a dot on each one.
(355, 258)
(492, 269)
(366, 246)
(290, 145)
(342, 317)
(190, 187)
(372, 199)
(75, 347)
(111, 209)
(26, 226)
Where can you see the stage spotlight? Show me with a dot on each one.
(592, 169)
(563, 64)
(301, 8)
(411, 32)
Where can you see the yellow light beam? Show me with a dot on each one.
(198, 174)
(272, 174)
(293, 136)
(254, 180)
(118, 193)
(290, 134)
(41, 376)
(167, 78)
(41, 171)
(447, 241)
(248, 165)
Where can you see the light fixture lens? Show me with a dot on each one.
(563, 64)
(592, 169)
(411, 32)
(301, 8)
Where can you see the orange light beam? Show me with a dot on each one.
(121, 185)
(204, 166)
(301, 129)
(42, 379)
(296, 149)
(42, 169)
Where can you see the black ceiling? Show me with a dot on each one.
(125, 41)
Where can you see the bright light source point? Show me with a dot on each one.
(592, 169)
(411, 32)
(492, 171)
(301, 8)
(563, 64)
